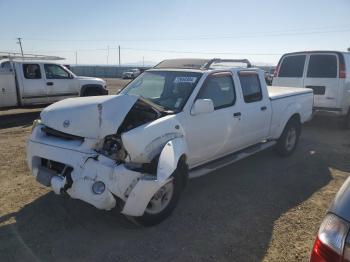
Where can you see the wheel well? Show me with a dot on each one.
(85, 89)
(182, 164)
(296, 116)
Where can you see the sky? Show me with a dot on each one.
(90, 31)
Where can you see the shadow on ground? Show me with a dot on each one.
(227, 215)
(18, 119)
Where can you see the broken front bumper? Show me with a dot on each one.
(88, 170)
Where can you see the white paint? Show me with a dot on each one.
(169, 158)
(8, 94)
(202, 138)
(37, 91)
(57, 183)
(336, 89)
(90, 117)
(140, 197)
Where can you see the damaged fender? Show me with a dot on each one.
(169, 157)
(145, 189)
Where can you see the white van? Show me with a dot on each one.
(326, 72)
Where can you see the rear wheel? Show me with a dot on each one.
(345, 124)
(288, 141)
(164, 200)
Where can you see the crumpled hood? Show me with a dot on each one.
(90, 117)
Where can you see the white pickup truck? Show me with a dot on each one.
(25, 83)
(184, 118)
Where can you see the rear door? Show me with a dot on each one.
(8, 94)
(255, 110)
(59, 83)
(322, 77)
(33, 86)
(291, 71)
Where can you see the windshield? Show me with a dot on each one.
(165, 88)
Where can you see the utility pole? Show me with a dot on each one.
(20, 44)
(119, 54)
(76, 57)
(143, 61)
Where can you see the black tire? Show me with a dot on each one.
(94, 91)
(345, 122)
(289, 139)
(179, 178)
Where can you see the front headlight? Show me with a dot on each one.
(36, 122)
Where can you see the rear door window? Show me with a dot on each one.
(251, 87)
(322, 66)
(31, 71)
(292, 66)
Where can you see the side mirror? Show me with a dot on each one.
(71, 76)
(202, 106)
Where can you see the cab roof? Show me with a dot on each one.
(198, 64)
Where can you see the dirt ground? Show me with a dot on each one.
(261, 208)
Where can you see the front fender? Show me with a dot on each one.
(170, 156)
(145, 188)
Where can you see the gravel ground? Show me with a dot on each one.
(261, 208)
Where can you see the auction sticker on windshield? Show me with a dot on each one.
(185, 79)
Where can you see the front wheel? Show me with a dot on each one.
(288, 141)
(164, 200)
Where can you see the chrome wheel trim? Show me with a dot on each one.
(291, 138)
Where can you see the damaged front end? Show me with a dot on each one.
(105, 149)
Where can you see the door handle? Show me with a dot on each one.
(263, 108)
(237, 114)
(49, 83)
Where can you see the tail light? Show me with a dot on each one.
(342, 72)
(329, 244)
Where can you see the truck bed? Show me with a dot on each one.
(277, 92)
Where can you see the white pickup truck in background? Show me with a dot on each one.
(326, 72)
(30, 82)
(183, 118)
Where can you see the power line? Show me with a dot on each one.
(207, 37)
(159, 51)
(196, 52)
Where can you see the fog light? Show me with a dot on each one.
(98, 187)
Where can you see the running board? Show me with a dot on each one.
(229, 159)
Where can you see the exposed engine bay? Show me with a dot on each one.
(141, 113)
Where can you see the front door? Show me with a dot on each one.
(208, 135)
(59, 83)
(322, 77)
(33, 87)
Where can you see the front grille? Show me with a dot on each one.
(53, 165)
(55, 133)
